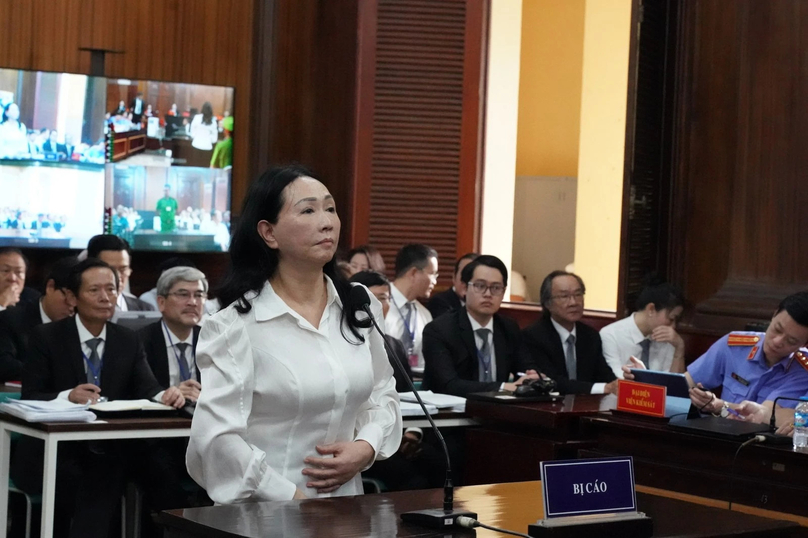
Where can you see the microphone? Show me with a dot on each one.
(771, 437)
(432, 518)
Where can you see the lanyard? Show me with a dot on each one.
(413, 321)
(96, 373)
(176, 356)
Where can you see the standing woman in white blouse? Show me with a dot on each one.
(298, 396)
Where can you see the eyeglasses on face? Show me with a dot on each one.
(566, 297)
(185, 295)
(480, 287)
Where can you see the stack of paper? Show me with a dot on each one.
(131, 405)
(441, 401)
(414, 410)
(48, 411)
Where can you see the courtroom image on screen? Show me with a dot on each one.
(169, 124)
(51, 117)
(179, 209)
(50, 206)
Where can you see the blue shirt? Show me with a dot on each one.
(743, 373)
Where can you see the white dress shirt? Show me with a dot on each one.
(419, 319)
(597, 388)
(84, 336)
(622, 339)
(479, 342)
(174, 353)
(121, 303)
(275, 388)
(42, 314)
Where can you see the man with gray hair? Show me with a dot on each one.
(170, 343)
(170, 346)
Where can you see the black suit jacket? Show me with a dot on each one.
(136, 305)
(15, 325)
(451, 365)
(544, 345)
(154, 344)
(397, 348)
(55, 362)
(445, 301)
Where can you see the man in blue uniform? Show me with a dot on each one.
(755, 366)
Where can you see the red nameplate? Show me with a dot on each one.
(641, 398)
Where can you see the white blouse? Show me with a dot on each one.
(274, 387)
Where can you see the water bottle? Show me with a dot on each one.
(801, 426)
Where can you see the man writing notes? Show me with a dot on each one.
(756, 367)
(82, 358)
(564, 348)
(474, 349)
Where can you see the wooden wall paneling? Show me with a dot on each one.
(365, 106)
(469, 193)
(649, 135)
(741, 159)
(418, 124)
(334, 120)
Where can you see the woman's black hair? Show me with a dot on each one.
(663, 295)
(207, 113)
(252, 262)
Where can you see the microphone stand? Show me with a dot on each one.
(771, 437)
(432, 518)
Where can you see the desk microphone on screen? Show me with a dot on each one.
(432, 518)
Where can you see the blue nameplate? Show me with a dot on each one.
(590, 486)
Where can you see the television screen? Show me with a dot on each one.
(50, 205)
(51, 117)
(170, 163)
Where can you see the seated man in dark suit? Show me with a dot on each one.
(451, 299)
(564, 348)
(474, 349)
(80, 359)
(116, 252)
(170, 346)
(17, 322)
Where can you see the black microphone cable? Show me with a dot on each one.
(753, 440)
(471, 523)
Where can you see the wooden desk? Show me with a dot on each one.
(764, 477)
(54, 433)
(530, 432)
(511, 506)
(133, 428)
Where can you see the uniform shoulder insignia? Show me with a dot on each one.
(802, 359)
(742, 339)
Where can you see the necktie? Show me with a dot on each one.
(572, 368)
(95, 362)
(407, 336)
(185, 373)
(484, 356)
(646, 352)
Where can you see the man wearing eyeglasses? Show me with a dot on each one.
(564, 348)
(16, 323)
(474, 349)
(170, 346)
(170, 343)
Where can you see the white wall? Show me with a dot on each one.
(501, 115)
